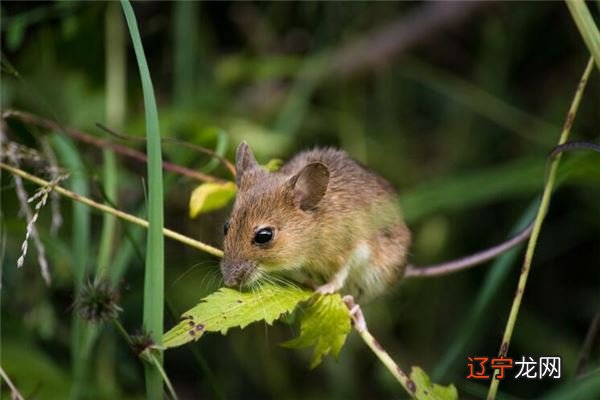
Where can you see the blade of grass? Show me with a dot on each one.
(154, 274)
(588, 29)
(542, 210)
(115, 103)
(115, 113)
(69, 155)
(184, 32)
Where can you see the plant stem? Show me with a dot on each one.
(165, 378)
(360, 326)
(101, 143)
(407, 383)
(118, 213)
(542, 210)
(14, 392)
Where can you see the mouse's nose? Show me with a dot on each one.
(231, 281)
(236, 272)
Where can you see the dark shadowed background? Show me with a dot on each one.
(457, 104)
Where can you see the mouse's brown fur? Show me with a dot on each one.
(334, 224)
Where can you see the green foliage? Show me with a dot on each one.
(430, 391)
(228, 308)
(273, 165)
(211, 196)
(324, 324)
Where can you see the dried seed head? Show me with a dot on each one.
(141, 342)
(97, 302)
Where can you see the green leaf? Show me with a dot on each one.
(324, 325)
(430, 391)
(273, 165)
(211, 196)
(228, 308)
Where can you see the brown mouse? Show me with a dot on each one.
(322, 219)
(327, 221)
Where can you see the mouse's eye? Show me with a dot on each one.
(225, 228)
(263, 235)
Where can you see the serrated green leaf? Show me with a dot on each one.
(324, 324)
(430, 391)
(211, 196)
(228, 308)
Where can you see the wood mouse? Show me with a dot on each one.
(326, 221)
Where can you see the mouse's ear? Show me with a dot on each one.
(310, 184)
(244, 160)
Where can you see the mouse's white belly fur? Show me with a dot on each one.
(364, 278)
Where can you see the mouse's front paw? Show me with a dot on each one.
(328, 288)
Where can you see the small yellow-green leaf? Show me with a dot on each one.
(273, 165)
(228, 308)
(324, 324)
(430, 391)
(211, 196)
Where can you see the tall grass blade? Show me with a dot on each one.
(115, 113)
(154, 273)
(185, 31)
(69, 156)
(587, 27)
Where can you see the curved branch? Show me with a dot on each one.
(81, 136)
(118, 213)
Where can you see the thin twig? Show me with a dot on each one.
(542, 210)
(16, 395)
(588, 344)
(360, 326)
(161, 370)
(226, 163)
(101, 143)
(118, 213)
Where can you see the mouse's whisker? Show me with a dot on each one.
(259, 284)
(283, 281)
(193, 269)
(214, 280)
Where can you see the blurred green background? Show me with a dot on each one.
(457, 104)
